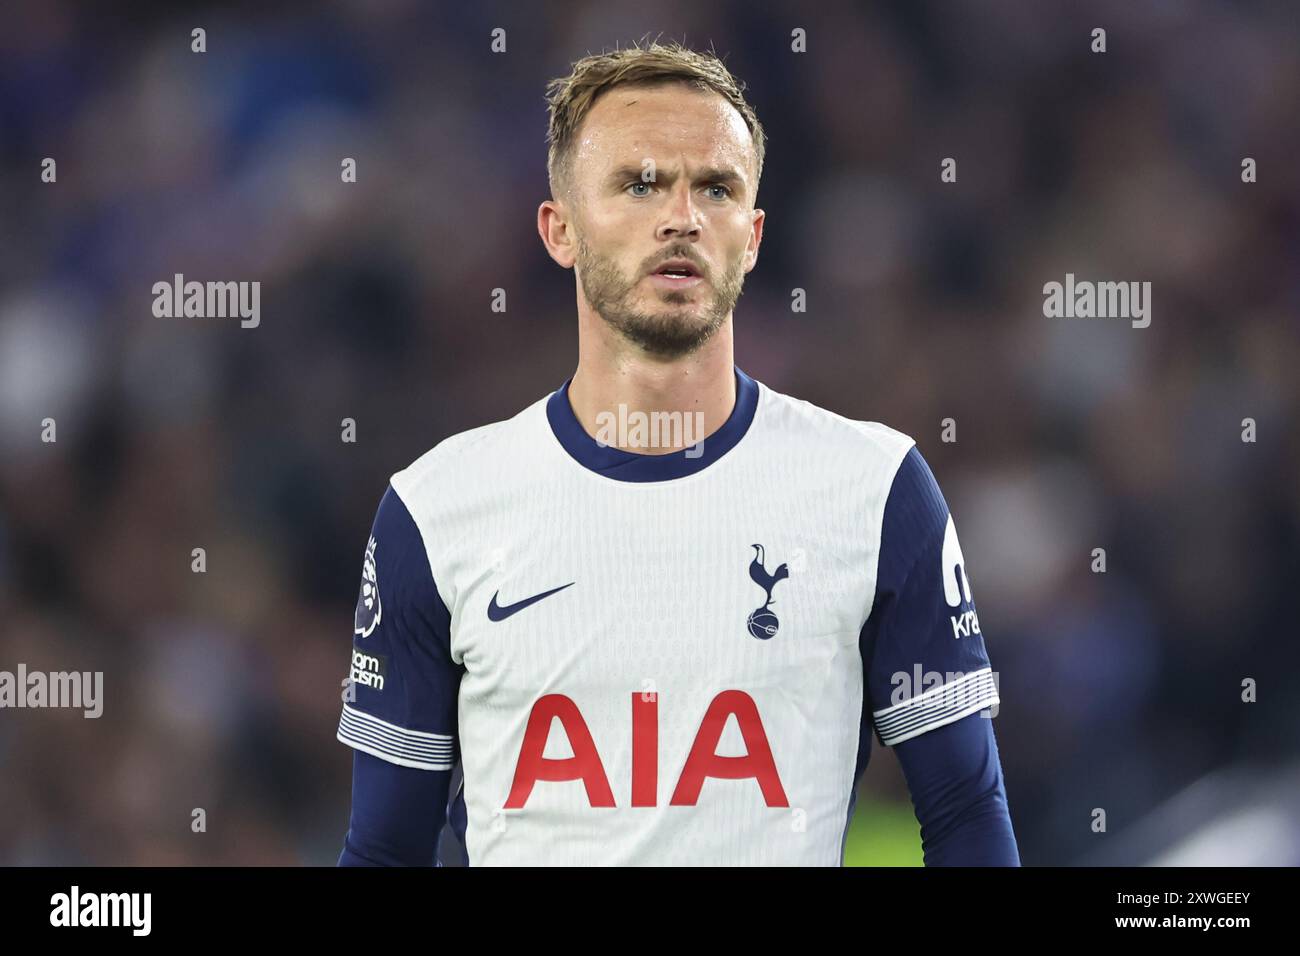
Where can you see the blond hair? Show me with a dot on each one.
(570, 98)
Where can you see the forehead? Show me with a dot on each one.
(630, 123)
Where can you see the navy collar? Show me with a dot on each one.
(623, 465)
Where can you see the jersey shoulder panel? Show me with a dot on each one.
(800, 421)
(469, 477)
(464, 468)
(461, 457)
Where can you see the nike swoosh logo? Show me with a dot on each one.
(498, 613)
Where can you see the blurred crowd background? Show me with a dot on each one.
(1121, 690)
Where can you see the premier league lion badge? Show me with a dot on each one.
(369, 609)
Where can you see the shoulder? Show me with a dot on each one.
(801, 427)
(466, 460)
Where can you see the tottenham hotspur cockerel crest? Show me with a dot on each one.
(369, 610)
(762, 622)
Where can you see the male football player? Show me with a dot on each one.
(672, 645)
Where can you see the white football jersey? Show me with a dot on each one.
(661, 659)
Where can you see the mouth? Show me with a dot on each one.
(676, 274)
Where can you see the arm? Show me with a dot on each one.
(397, 814)
(399, 713)
(955, 778)
(923, 627)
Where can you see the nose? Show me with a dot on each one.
(680, 220)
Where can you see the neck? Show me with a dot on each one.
(614, 375)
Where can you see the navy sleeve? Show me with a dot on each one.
(397, 814)
(922, 649)
(955, 778)
(928, 681)
(400, 702)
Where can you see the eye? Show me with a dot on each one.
(726, 191)
(635, 184)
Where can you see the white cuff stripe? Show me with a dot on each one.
(400, 761)
(361, 734)
(371, 718)
(934, 692)
(955, 696)
(358, 724)
(410, 748)
(959, 699)
(936, 707)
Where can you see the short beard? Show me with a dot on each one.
(669, 334)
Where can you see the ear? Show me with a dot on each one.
(755, 239)
(556, 230)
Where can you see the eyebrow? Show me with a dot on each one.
(713, 174)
